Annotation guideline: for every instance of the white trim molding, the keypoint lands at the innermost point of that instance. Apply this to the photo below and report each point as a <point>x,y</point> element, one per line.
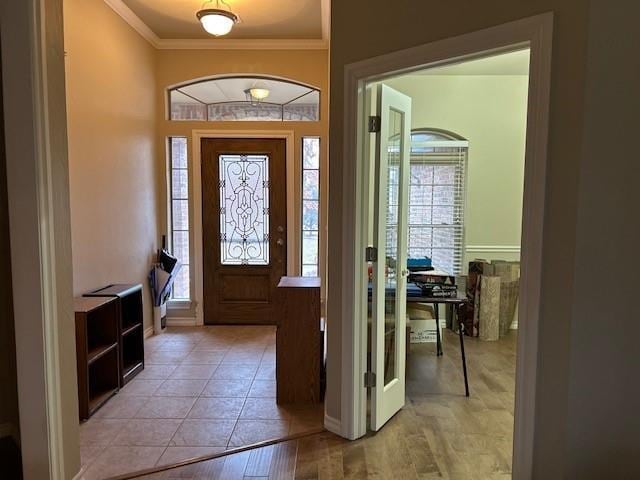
<point>39,223</point>
<point>534,33</point>
<point>133,20</point>
<point>182,322</point>
<point>149,35</point>
<point>148,332</point>
<point>240,44</point>
<point>80,474</point>
<point>293,222</point>
<point>514,249</point>
<point>332,424</point>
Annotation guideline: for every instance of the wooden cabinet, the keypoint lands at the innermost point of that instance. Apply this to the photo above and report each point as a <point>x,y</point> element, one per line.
<point>97,352</point>
<point>130,331</point>
<point>299,341</point>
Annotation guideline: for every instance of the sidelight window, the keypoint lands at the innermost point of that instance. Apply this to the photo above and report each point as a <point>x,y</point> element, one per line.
<point>310,206</point>
<point>179,215</point>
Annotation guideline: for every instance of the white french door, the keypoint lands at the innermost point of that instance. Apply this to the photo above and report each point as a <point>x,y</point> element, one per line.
<point>388,333</point>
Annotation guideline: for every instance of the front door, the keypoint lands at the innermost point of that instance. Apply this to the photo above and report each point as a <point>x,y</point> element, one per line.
<point>244,220</point>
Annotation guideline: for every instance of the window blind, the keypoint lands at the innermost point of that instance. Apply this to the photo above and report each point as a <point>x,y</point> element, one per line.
<point>436,206</point>
<point>437,186</point>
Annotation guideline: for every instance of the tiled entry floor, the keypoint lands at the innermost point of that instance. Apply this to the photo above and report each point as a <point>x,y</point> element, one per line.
<point>203,390</point>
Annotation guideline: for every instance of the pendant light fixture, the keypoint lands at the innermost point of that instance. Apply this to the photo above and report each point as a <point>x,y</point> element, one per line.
<point>257,93</point>
<point>217,21</point>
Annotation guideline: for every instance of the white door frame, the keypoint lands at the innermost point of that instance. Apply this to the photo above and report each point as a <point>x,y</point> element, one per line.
<point>293,222</point>
<point>40,233</point>
<point>533,32</point>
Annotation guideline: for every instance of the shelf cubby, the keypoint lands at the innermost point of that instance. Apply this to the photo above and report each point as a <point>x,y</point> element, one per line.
<point>130,329</point>
<point>97,352</point>
<point>104,380</point>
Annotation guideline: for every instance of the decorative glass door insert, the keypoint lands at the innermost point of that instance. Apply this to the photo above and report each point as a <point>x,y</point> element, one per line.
<point>244,209</point>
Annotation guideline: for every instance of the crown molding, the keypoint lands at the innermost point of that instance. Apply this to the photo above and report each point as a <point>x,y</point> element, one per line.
<point>241,44</point>
<point>325,12</point>
<point>134,21</point>
<point>139,26</point>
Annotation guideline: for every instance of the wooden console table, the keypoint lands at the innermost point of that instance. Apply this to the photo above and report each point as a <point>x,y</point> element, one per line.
<point>299,341</point>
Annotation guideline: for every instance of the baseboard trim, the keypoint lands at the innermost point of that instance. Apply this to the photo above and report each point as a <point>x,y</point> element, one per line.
<point>333,425</point>
<point>148,332</point>
<point>182,321</point>
<point>80,474</point>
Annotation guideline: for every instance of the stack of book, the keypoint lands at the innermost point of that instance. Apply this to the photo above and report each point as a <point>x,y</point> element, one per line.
<point>440,291</point>
<point>435,283</point>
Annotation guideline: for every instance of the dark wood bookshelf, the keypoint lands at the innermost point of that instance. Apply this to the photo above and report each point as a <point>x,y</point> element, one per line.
<point>130,329</point>
<point>98,353</point>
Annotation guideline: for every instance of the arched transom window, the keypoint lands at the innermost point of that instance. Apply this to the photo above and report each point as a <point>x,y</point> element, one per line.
<point>244,98</point>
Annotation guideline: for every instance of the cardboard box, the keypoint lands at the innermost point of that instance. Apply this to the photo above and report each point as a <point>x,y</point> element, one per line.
<point>424,330</point>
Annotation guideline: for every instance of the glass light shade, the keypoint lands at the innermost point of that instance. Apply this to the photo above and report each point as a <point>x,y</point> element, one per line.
<point>217,22</point>
<point>259,93</point>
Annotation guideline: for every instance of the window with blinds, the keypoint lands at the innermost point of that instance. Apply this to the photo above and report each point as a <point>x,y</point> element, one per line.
<point>436,199</point>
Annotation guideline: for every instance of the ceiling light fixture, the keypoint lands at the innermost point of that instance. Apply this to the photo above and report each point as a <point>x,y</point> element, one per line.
<point>217,21</point>
<point>259,93</point>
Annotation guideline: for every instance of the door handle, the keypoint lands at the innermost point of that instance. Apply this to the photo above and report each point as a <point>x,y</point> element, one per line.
<point>280,242</point>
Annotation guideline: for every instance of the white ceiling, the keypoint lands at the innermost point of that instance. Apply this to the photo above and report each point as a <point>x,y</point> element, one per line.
<point>232,90</point>
<point>259,19</point>
<point>513,63</point>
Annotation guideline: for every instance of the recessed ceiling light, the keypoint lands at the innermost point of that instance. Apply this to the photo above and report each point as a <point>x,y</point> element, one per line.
<point>217,21</point>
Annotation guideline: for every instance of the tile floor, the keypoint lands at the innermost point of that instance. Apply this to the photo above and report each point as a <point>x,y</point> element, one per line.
<point>203,390</point>
<point>439,434</point>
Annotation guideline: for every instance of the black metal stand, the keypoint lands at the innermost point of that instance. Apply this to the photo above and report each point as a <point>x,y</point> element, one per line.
<point>438,339</point>
<point>436,306</point>
<point>464,358</point>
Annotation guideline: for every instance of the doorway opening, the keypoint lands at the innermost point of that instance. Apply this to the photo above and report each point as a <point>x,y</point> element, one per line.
<point>445,220</point>
<point>533,33</point>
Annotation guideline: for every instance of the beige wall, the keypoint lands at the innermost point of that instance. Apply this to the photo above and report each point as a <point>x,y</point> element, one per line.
<point>490,111</point>
<point>305,66</point>
<point>9,419</point>
<point>352,41</point>
<point>604,393</point>
<point>112,157</point>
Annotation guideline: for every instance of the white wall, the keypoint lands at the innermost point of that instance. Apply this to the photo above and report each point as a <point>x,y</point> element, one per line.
<point>490,112</point>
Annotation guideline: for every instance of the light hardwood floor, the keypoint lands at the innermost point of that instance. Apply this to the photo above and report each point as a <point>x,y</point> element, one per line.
<point>439,434</point>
